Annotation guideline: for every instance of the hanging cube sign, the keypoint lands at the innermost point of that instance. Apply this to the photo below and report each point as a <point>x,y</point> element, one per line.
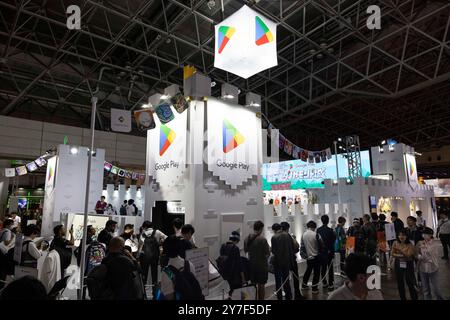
<point>245,43</point>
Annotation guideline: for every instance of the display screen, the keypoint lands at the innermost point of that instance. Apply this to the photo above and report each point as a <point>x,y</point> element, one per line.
<point>298,174</point>
<point>31,166</point>
<point>22,203</point>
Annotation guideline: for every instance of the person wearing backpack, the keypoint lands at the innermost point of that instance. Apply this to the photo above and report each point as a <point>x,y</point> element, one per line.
<point>230,264</point>
<point>90,234</point>
<point>123,208</point>
<point>30,252</point>
<point>258,252</point>
<point>122,272</point>
<point>7,241</point>
<point>149,252</point>
<point>178,281</point>
<point>132,210</point>
<point>326,264</point>
<point>311,248</point>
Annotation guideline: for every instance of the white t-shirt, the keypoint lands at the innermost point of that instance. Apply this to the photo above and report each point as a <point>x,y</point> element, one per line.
<point>344,293</point>
<point>310,240</point>
<point>132,244</point>
<point>17,221</point>
<point>130,210</point>
<point>167,286</point>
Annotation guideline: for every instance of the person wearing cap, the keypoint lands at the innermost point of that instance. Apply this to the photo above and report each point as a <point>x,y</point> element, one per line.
<point>355,231</point>
<point>235,270</point>
<point>428,256</point>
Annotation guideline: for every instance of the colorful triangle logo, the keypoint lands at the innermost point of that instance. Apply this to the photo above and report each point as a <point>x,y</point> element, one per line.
<point>225,34</point>
<point>262,32</point>
<point>231,137</point>
<point>166,137</point>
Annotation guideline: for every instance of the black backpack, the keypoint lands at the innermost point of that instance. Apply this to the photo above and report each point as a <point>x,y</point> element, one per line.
<point>150,249</point>
<point>123,210</point>
<point>186,284</point>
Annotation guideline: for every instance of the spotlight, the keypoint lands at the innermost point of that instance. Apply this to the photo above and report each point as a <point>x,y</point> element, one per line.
<point>73,150</point>
<point>381,149</point>
<point>340,139</point>
<point>335,182</point>
<point>213,84</point>
<point>391,148</point>
<point>228,96</point>
<point>383,142</point>
<point>349,181</point>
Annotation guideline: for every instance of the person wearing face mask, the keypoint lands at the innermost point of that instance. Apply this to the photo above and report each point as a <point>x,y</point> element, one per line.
<point>356,287</point>
<point>428,256</point>
<point>403,253</point>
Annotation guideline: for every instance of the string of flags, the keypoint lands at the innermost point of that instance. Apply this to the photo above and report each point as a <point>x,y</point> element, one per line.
<point>295,151</point>
<point>42,161</point>
<point>110,168</point>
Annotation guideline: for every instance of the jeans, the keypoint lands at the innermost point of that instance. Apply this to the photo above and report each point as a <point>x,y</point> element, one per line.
<point>445,239</point>
<point>312,265</point>
<point>430,284</point>
<point>407,274</point>
<point>342,262</point>
<point>327,265</point>
<point>282,276</point>
<point>153,266</point>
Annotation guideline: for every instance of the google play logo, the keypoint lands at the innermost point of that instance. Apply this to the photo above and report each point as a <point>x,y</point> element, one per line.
<point>231,137</point>
<point>225,34</point>
<point>166,137</point>
<point>262,34</point>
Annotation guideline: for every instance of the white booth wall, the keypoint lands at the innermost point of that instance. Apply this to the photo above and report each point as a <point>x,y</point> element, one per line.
<point>211,206</point>
<point>65,184</point>
<point>117,196</point>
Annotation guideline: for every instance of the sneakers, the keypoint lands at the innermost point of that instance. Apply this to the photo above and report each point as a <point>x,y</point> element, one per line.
<point>305,287</point>
<point>325,285</point>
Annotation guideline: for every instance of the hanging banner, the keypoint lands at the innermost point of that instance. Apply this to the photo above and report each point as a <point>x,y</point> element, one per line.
<point>144,119</point>
<point>10,172</point>
<point>120,120</point>
<point>281,141</point>
<point>328,151</point>
<point>411,169</point>
<point>245,43</point>
<point>288,146</point>
<point>166,148</point>
<point>310,157</point>
<point>232,142</point>
<point>296,152</point>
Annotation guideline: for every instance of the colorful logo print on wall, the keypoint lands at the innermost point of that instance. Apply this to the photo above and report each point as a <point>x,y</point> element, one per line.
<point>232,138</point>
<point>166,137</point>
<point>262,32</point>
<point>225,34</point>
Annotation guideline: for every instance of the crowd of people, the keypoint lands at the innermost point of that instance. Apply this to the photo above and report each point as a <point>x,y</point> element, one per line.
<point>128,208</point>
<point>119,267</point>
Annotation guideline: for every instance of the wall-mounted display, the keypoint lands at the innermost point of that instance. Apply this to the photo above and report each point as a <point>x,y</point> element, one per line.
<point>297,174</point>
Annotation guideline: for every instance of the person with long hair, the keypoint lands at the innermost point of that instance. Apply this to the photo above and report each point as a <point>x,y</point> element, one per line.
<point>403,252</point>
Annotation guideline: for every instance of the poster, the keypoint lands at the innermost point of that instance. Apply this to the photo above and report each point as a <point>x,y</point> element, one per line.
<point>200,259</point>
<point>120,120</point>
<point>233,144</point>
<point>76,220</point>
<point>389,229</point>
<point>144,119</point>
<point>166,148</point>
<point>51,174</point>
<point>350,245</point>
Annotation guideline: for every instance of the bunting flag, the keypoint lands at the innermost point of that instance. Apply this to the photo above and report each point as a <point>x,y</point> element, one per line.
<point>110,168</point>
<point>295,151</point>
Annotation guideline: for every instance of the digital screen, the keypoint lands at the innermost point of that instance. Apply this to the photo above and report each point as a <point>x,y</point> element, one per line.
<point>108,166</point>
<point>22,203</point>
<point>31,166</point>
<point>297,174</point>
<point>40,162</point>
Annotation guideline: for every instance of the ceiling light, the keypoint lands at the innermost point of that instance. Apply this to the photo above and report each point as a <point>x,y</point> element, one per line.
<point>73,150</point>
<point>228,96</point>
<point>383,142</point>
<point>213,84</point>
<point>340,139</point>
